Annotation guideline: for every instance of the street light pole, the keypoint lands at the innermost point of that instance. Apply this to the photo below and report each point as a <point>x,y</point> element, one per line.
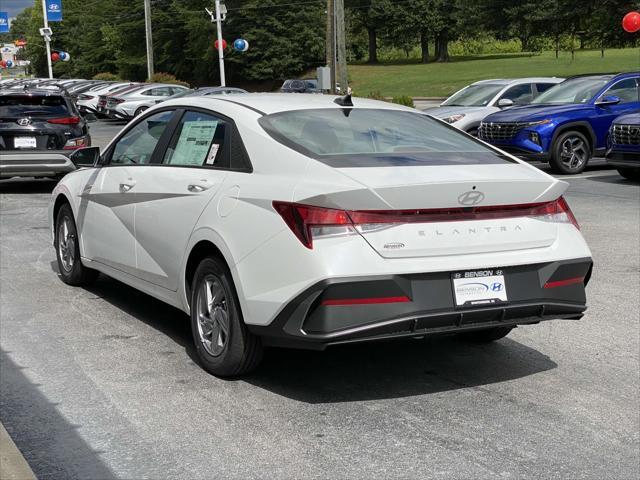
<point>220,15</point>
<point>47,38</point>
<point>149,37</point>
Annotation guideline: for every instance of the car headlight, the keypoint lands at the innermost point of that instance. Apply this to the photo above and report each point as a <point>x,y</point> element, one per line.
<point>454,118</point>
<point>536,123</point>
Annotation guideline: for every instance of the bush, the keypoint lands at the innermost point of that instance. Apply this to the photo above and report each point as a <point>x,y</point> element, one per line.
<point>403,100</point>
<point>162,77</point>
<point>106,76</point>
<point>376,96</point>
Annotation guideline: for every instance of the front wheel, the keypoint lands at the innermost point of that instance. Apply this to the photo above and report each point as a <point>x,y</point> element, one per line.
<point>570,154</point>
<point>67,246</point>
<point>224,345</point>
<point>139,111</point>
<point>630,173</point>
<point>487,335</point>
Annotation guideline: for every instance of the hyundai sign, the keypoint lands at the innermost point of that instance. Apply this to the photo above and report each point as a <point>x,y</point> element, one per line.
<point>54,10</point>
<point>4,22</point>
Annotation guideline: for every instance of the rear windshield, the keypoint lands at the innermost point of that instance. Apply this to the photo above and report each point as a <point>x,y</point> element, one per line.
<point>32,105</point>
<point>345,137</point>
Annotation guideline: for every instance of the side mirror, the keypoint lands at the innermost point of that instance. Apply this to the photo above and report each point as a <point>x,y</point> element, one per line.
<point>505,102</point>
<point>90,117</point>
<point>86,157</point>
<point>608,100</point>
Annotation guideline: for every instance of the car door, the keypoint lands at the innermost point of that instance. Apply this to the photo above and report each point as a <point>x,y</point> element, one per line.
<point>108,201</point>
<point>629,94</point>
<point>179,186</point>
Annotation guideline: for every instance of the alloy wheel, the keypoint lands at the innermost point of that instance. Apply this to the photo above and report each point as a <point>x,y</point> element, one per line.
<point>213,316</point>
<point>574,153</point>
<point>66,244</point>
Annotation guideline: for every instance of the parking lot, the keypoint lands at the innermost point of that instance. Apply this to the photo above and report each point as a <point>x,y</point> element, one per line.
<point>102,383</point>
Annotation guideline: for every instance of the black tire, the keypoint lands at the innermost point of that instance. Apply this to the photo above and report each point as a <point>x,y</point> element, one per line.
<point>570,153</point>
<point>487,335</point>
<point>70,266</point>
<point>630,173</point>
<point>239,351</point>
<point>139,111</point>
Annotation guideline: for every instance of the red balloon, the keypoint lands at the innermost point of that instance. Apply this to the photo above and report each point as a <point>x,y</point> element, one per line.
<point>55,56</point>
<point>3,64</point>
<point>631,22</point>
<point>224,44</point>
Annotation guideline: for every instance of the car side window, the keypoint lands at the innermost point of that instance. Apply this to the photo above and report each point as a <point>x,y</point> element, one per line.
<point>199,141</point>
<point>519,94</point>
<point>543,87</point>
<point>625,90</point>
<point>137,145</point>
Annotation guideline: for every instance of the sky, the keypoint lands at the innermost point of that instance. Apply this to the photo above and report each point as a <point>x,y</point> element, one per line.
<point>14,7</point>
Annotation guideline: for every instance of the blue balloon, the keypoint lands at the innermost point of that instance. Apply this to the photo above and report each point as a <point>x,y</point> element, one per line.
<point>9,63</point>
<point>241,45</point>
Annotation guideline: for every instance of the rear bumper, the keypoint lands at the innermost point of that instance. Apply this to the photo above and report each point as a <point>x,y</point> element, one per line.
<point>39,163</point>
<point>624,159</point>
<point>313,320</point>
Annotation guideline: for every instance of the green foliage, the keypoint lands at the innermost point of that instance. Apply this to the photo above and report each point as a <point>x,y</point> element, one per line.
<point>376,95</point>
<point>106,76</point>
<point>403,100</point>
<point>162,77</point>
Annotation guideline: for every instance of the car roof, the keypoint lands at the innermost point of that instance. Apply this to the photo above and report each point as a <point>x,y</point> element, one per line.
<point>509,81</point>
<point>35,92</point>
<point>268,103</point>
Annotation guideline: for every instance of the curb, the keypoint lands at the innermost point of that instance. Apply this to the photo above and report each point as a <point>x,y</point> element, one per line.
<point>13,466</point>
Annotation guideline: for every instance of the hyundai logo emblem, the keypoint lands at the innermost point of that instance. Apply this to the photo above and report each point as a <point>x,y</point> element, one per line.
<point>23,122</point>
<point>472,197</point>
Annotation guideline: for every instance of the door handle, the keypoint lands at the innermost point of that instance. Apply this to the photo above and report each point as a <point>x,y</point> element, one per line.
<point>125,187</point>
<point>200,186</point>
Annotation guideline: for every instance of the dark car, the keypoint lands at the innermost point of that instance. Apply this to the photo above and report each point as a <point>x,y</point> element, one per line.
<point>568,124</point>
<point>38,129</point>
<point>300,86</point>
<point>624,146</point>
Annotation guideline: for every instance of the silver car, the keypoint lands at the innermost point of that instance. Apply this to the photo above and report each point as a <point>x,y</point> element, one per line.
<point>466,108</point>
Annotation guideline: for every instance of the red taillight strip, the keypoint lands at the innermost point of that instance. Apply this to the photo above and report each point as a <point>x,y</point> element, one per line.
<point>364,301</point>
<point>65,120</point>
<point>564,283</point>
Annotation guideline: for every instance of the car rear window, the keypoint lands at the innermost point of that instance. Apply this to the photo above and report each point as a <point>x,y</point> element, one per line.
<point>348,137</point>
<point>32,105</point>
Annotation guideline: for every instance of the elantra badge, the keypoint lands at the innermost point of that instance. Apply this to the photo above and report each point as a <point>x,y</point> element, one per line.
<point>472,197</point>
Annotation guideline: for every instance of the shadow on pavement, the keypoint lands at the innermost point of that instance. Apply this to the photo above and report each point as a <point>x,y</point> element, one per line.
<point>51,445</point>
<point>615,179</point>
<point>27,185</point>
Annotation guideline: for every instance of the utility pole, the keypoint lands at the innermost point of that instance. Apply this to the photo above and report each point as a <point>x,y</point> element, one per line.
<point>341,47</point>
<point>147,26</point>
<point>46,33</point>
<point>330,44</point>
<point>220,16</point>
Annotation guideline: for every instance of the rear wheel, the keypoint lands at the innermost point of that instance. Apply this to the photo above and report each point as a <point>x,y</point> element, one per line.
<point>224,345</point>
<point>486,336</point>
<point>630,173</point>
<point>67,246</point>
<point>140,110</point>
<point>570,154</point>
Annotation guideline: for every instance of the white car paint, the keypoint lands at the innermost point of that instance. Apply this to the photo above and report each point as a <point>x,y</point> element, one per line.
<point>89,99</point>
<point>468,118</point>
<point>154,217</point>
<point>141,99</point>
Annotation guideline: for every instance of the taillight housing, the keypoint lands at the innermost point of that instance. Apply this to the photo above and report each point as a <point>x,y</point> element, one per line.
<point>117,100</point>
<point>78,142</point>
<point>83,96</point>
<point>307,221</point>
<point>74,120</point>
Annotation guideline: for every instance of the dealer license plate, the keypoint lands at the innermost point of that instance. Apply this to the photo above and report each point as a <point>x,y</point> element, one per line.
<point>24,142</point>
<point>482,287</point>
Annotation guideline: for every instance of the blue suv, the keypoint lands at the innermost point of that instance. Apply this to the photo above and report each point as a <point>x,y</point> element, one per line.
<point>624,150</point>
<point>568,124</point>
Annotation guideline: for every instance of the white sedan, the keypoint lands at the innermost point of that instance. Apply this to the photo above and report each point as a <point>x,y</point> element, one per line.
<point>312,220</point>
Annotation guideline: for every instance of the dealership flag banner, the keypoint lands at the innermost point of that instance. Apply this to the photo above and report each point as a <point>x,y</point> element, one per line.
<point>4,22</point>
<point>54,10</point>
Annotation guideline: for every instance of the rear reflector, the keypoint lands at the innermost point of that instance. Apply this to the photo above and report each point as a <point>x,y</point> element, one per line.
<point>307,222</point>
<point>564,283</point>
<point>364,301</point>
<point>65,120</point>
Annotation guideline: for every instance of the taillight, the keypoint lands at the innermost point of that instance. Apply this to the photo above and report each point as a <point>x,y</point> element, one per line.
<point>65,120</point>
<point>82,96</point>
<point>74,143</point>
<point>116,100</point>
<point>308,222</point>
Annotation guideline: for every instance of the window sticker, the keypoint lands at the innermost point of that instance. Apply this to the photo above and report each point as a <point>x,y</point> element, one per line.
<point>213,151</point>
<point>193,145</point>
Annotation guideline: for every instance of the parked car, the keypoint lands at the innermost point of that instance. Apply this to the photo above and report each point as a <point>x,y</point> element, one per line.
<point>624,149</point>
<point>128,104</point>
<point>309,221</point>
<point>466,108</point>
<point>88,101</point>
<point>38,128</point>
<point>103,99</point>
<point>300,86</point>
<point>568,124</point>
<point>196,92</point>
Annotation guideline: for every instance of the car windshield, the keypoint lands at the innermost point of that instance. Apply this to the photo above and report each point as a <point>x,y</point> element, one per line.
<point>12,106</point>
<point>375,137</point>
<point>473,96</point>
<point>574,90</point>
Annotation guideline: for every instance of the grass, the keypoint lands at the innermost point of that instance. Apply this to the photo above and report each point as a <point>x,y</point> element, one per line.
<point>442,79</point>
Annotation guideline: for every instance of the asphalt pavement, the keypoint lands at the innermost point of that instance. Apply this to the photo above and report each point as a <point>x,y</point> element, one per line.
<point>101,383</point>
